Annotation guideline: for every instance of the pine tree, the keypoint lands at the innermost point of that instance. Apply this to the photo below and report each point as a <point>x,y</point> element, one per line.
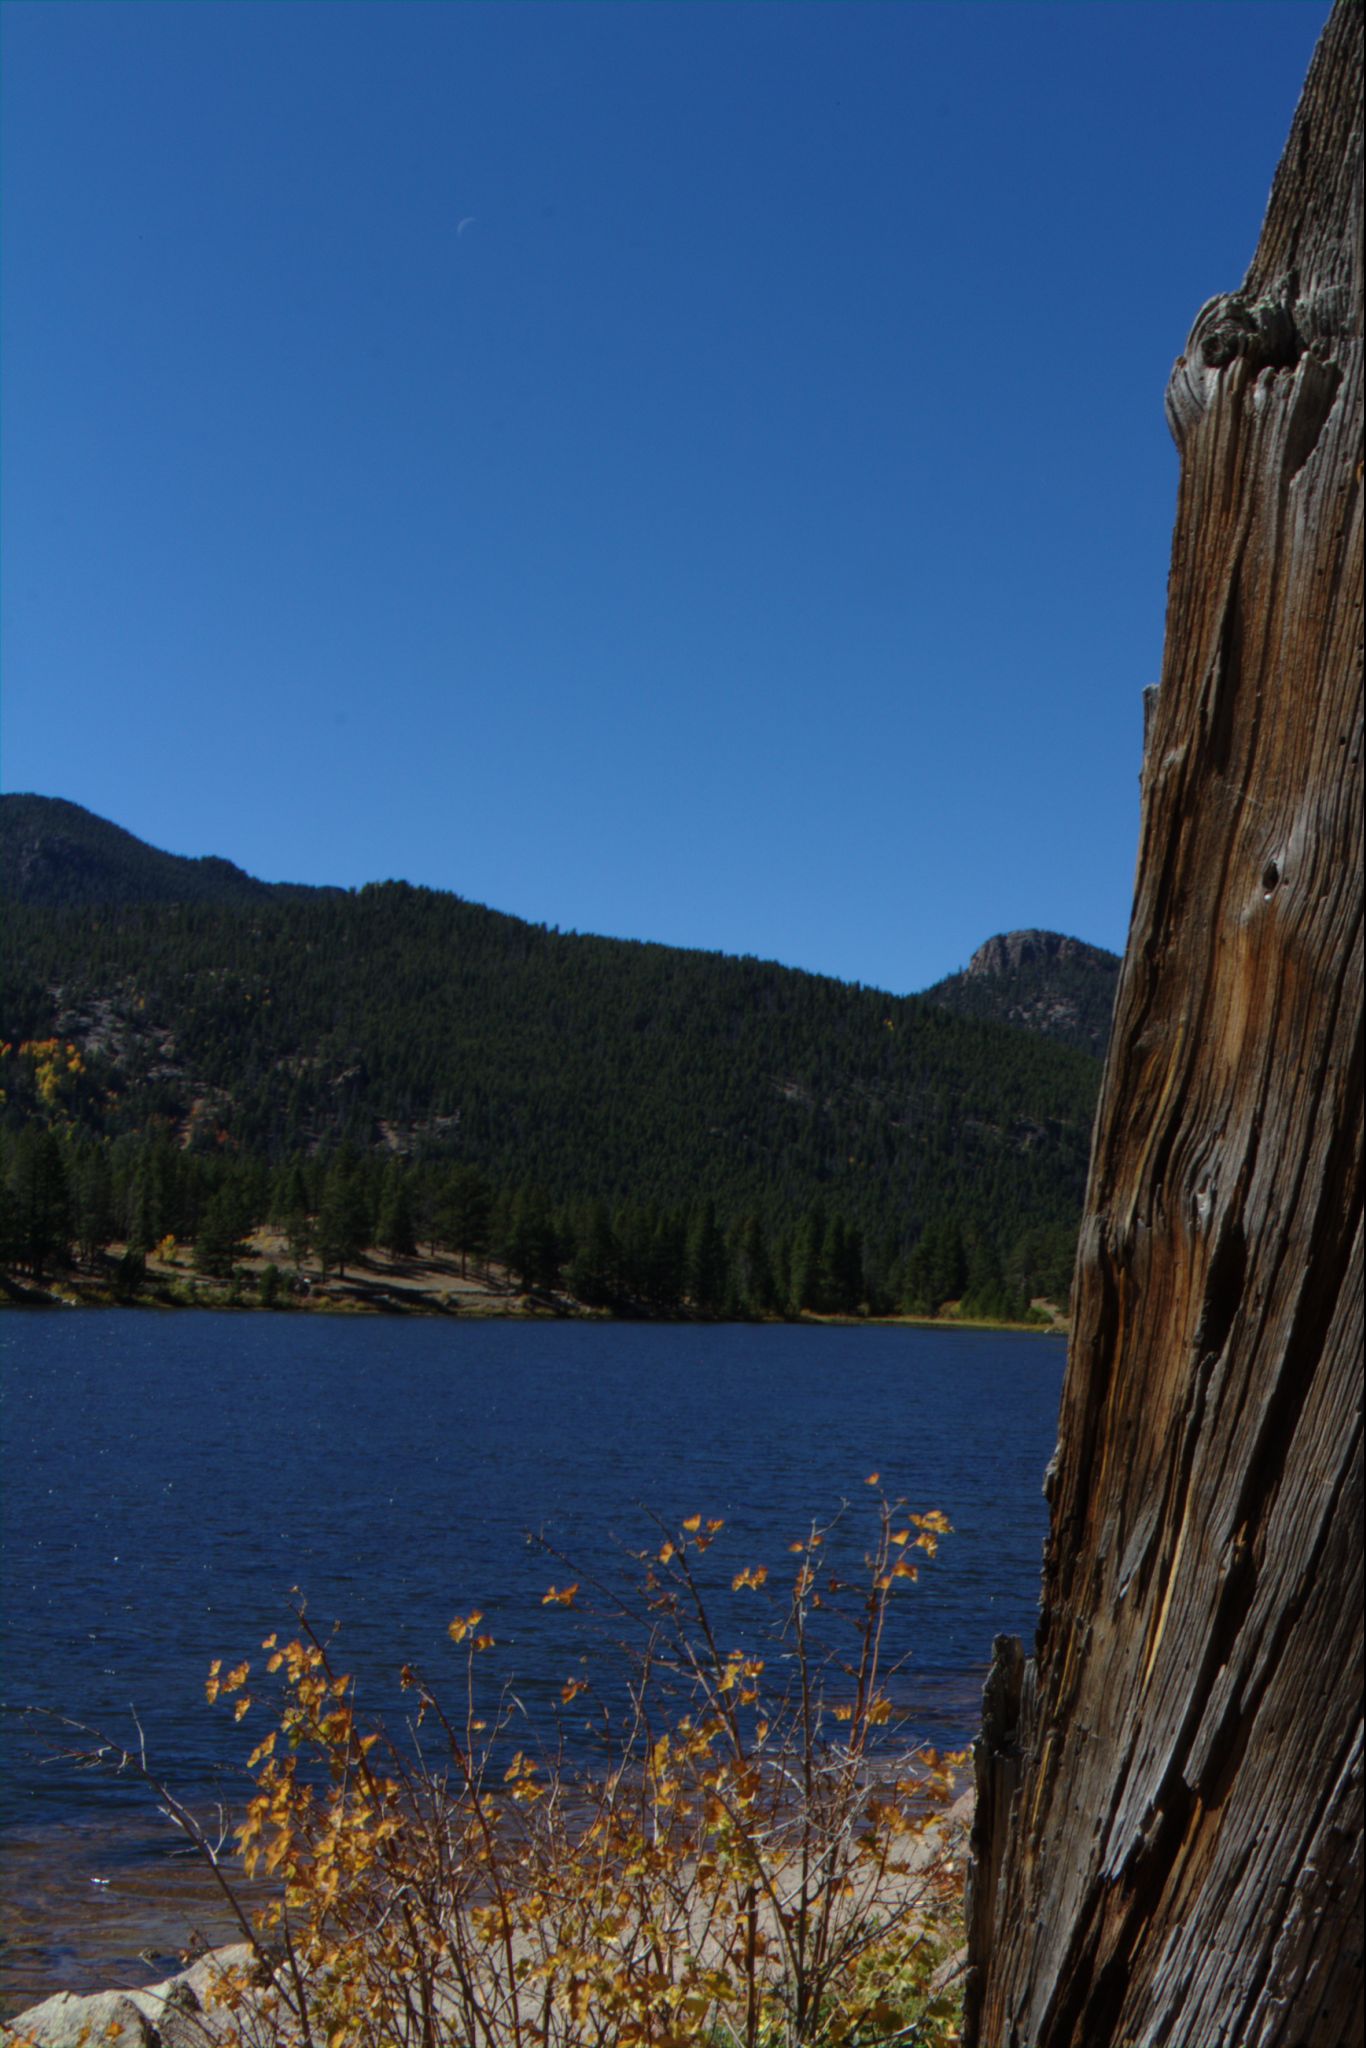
<point>93,1201</point>
<point>841,1268</point>
<point>752,1268</point>
<point>219,1240</point>
<point>593,1274</point>
<point>289,1195</point>
<point>633,1229</point>
<point>668,1260</point>
<point>41,1208</point>
<point>146,1206</point>
<point>465,1214</point>
<point>706,1261</point>
<point>806,1293</point>
<point>530,1248</point>
<point>936,1270</point>
<point>341,1233</point>
<point>9,1221</point>
<point>298,1236</point>
<point>395,1231</point>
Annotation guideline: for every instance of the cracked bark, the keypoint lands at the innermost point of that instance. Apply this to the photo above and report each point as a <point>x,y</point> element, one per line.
<point>1168,1844</point>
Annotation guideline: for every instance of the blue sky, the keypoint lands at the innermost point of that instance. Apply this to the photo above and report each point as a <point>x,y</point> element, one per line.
<point>691,472</point>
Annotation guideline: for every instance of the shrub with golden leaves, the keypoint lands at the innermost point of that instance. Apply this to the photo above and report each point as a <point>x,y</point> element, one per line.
<point>751,1862</point>
<point>750,1866</point>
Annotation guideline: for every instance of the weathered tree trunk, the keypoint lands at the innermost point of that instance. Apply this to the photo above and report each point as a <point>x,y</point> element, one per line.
<point>1168,1839</point>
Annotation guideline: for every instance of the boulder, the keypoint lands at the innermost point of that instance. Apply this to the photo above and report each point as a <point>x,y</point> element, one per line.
<point>185,2011</point>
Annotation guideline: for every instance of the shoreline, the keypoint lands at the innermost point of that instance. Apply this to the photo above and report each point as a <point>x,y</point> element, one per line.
<point>103,1908</point>
<point>381,1284</point>
<point>376,1299</point>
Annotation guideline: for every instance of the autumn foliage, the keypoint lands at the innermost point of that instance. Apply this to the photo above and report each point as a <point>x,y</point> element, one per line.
<point>749,1860</point>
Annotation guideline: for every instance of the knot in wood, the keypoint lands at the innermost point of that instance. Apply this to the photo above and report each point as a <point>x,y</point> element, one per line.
<point>1265,333</point>
<point>1262,331</point>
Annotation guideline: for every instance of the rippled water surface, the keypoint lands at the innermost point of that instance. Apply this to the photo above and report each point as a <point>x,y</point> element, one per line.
<point>168,1478</point>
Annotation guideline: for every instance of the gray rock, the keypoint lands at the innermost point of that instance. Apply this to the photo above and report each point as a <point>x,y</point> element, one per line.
<point>67,2021</point>
<point>186,2011</point>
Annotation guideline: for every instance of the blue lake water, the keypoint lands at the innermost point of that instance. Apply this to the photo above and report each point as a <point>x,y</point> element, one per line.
<point>168,1478</point>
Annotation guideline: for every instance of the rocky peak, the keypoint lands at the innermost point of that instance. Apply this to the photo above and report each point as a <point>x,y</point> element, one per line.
<point>1009,951</point>
<point>1039,981</point>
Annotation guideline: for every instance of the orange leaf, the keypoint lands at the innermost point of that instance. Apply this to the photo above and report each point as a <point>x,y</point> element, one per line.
<point>753,1575</point>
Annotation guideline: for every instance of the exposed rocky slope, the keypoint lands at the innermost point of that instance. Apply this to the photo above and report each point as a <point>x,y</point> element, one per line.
<point>1041,981</point>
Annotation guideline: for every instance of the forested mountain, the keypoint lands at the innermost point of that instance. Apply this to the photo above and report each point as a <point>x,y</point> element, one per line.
<point>1040,981</point>
<point>239,1037</point>
<point>53,852</point>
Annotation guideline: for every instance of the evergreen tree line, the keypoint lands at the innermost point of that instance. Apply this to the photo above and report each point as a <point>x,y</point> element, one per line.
<point>635,1074</point>
<point>65,1194</point>
<point>653,1129</point>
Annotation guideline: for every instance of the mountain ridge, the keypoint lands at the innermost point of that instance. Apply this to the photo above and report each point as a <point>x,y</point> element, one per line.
<point>57,854</point>
<point>187,1053</point>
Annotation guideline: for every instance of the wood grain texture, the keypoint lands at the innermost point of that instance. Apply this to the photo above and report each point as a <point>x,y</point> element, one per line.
<point>1168,1848</point>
